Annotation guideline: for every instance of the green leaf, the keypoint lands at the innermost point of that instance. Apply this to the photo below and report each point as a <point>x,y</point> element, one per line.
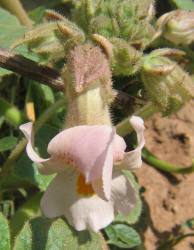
<point>184,4</point>
<point>7,143</point>
<point>11,30</point>
<point>42,96</point>
<point>111,233</point>
<point>26,169</point>
<point>46,234</point>
<point>188,225</point>
<point>24,239</point>
<point>4,233</point>
<point>28,210</point>
<point>136,212</point>
<point>126,236</point>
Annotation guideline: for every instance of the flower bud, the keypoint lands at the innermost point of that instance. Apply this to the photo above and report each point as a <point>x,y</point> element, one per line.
<point>167,85</point>
<point>49,39</point>
<point>177,26</point>
<point>84,10</point>
<point>140,9</point>
<point>139,33</point>
<point>104,26</point>
<point>88,86</point>
<point>124,59</point>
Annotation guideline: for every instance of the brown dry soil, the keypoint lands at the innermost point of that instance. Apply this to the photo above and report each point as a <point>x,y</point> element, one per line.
<point>168,198</point>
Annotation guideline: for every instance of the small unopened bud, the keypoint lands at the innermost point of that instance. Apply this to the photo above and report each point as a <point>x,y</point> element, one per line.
<point>104,26</point>
<point>72,32</point>
<point>52,15</point>
<point>139,34</point>
<point>51,39</point>
<point>105,44</point>
<point>125,59</point>
<point>177,26</point>
<point>37,34</point>
<point>167,85</point>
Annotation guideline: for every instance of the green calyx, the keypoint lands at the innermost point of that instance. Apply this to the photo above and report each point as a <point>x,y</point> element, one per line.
<point>177,26</point>
<point>167,85</point>
<point>125,59</point>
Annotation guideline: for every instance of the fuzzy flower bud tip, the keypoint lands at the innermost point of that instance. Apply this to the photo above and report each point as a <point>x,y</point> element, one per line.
<point>87,64</point>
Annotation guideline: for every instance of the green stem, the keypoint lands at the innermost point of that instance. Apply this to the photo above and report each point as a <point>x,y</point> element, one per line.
<point>49,112</point>
<point>165,166</point>
<point>169,244</point>
<point>16,8</point>
<point>124,128</point>
<point>7,167</point>
<point>11,113</point>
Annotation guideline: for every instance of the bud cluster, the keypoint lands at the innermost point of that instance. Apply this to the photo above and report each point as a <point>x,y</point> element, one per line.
<point>127,19</point>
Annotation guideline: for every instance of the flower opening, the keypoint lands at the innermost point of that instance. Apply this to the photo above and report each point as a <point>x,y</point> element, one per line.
<point>83,188</point>
<point>94,191</point>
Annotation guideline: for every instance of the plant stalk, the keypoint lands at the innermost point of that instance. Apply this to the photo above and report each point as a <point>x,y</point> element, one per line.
<point>16,8</point>
<point>165,166</point>
<point>124,128</point>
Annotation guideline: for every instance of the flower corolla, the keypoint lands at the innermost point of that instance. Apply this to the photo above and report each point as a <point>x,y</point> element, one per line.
<point>89,188</point>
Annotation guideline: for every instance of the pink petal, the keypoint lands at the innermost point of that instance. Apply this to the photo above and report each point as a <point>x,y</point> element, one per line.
<point>102,185</point>
<point>132,159</point>
<point>45,166</point>
<point>87,148</point>
<point>118,148</point>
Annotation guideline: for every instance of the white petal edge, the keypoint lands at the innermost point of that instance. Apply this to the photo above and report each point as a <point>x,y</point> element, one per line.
<point>132,159</point>
<point>45,166</point>
<point>123,194</point>
<point>82,213</point>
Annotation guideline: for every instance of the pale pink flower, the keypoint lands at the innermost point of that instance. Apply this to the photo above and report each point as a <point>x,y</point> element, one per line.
<point>88,190</point>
